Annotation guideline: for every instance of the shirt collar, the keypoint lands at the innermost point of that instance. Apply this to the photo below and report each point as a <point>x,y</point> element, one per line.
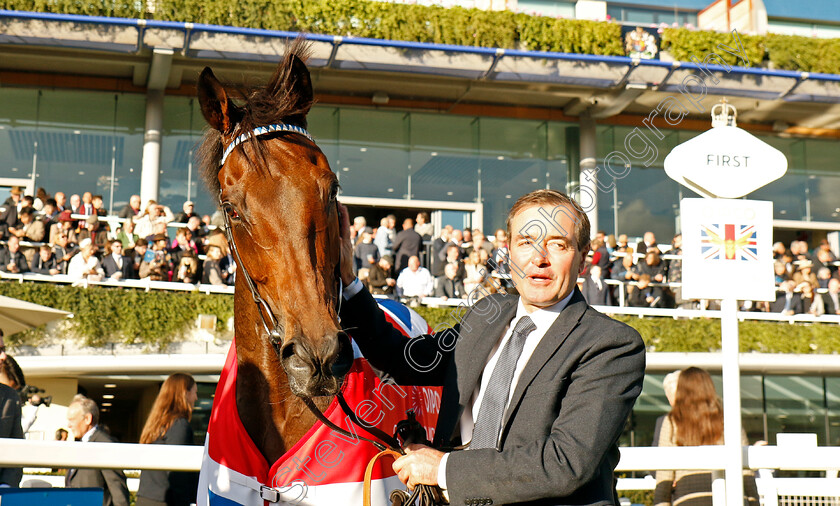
<point>89,433</point>
<point>543,318</point>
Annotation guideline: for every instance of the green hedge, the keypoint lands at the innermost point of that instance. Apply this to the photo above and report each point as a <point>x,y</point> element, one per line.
<point>455,25</point>
<point>157,318</point>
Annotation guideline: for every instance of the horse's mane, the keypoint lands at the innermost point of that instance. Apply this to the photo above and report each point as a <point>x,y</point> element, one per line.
<point>280,101</point>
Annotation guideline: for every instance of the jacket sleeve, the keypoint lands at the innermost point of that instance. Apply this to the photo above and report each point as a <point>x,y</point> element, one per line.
<point>596,403</point>
<point>10,428</point>
<point>417,361</point>
<point>115,481</point>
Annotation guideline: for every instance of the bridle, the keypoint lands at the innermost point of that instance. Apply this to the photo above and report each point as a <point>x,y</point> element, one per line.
<point>273,328</point>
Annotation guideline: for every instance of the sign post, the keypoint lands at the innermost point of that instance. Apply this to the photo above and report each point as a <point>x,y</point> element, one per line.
<point>727,247</point>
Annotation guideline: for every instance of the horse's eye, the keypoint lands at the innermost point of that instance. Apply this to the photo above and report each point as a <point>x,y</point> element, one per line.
<point>231,211</point>
<point>333,192</point>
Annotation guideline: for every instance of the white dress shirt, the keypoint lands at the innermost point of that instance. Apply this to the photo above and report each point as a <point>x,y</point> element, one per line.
<point>89,433</point>
<point>417,283</point>
<point>543,319</point>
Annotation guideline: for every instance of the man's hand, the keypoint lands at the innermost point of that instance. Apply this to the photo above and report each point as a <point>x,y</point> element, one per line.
<point>419,466</point>
<point>346,264</point>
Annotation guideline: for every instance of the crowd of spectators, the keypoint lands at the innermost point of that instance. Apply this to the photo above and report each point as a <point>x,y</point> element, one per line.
<point>79,239</point>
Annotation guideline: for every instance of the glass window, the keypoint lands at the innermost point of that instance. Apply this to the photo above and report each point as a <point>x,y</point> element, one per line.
<point>372,153</point>
<point>130,127</point>
<point>832,391</point>
<point>795,404</point>
<point>443,160</point>
<point>180,177</point>
<point>18,115</point>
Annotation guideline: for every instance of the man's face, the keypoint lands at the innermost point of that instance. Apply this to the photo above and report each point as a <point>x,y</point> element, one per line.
<point>650,238</point>
<point>45,254</point>
<point>87,197</point>
<point>26,219</point>
<point>116,248</point>
<point>413,264</point>
<point>134,202</point>
<point>833,287</point>
<point>14,244</point>
<point>97,203</point>
<point>140,249</point>
<point>546,267</point>
<point>622,239</point>
<point>77,421</point>
<point>457,235</point>
<point>62,240</point>
<point>678,241</point>
<point>452,255</point>
<point>60,199</point>
<point>501,237</point>
<point>75,200</point>
<point>451,270</point>
<point>392,222</point>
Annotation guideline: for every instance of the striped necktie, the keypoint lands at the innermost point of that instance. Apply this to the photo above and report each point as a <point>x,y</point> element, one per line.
<point>488,424</point>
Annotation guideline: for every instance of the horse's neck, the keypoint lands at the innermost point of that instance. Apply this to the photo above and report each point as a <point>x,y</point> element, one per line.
<point>274,418</point>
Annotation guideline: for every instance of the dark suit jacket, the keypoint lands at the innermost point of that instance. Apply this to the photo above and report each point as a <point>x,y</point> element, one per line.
<point>559,436</point>
<point>594,295</point>
<point>454,289</point>
<point>6,257</point>
<point>778,305</point>
<point>406,244</point>
<point>438,257</point>
<point>39,266</point>
<point>110,267</point>
<point>830,308</point>
<point>10,427</point>
<point>111,481</point>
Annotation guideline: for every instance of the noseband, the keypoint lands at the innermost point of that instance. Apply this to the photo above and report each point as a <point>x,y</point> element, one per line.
<point>273,328</point>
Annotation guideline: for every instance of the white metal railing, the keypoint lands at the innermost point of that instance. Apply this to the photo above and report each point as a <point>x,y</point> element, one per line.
<point>142,284</point>
<point>63,454</point>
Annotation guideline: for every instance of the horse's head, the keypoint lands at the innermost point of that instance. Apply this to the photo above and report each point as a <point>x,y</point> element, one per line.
<point>279,196</point>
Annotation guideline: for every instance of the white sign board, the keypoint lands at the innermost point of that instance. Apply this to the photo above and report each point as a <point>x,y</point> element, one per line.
<point>727,249</point>
<point>725,162</point>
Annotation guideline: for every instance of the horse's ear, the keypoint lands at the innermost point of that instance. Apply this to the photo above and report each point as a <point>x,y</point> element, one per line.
<point>216,106</point>
<point>301,85</point>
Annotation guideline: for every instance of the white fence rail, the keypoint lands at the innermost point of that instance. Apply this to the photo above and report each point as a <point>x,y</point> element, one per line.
<point>774,491</point>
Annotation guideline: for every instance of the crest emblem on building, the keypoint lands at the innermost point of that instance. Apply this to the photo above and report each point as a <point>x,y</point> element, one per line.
<point>640,44</point>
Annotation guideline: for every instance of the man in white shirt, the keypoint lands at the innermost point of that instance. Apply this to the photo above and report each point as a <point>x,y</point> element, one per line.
<point>85,265</point>
<point>537,385</point>
<point>415,281</point>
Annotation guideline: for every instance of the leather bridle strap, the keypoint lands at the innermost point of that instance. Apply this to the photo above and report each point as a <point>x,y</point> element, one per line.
<point>326,421</point>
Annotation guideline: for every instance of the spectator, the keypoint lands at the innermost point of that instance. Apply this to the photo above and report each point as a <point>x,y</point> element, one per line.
<point>450,286</point>
<point>380,278</point>
<point>645,295</point>
<point>61,435</point>
<point>187,270</point>
<point>474,272</point>
<point>675,269</point>
<point>595,289</point>
<point>63,251</point>
<point>140,248</point>
<point>467,240</point>
<point>12,259</point>
<point>156,263</point>
<point>127,237</point>
<point>86,207</point>
<point>829,302</point>
<point>29,229</point>
<point>453,256</point>
<point>669,386</point>
<point>611,243</point>
<point>183,242</point>
<point>155,214</point>
<point>66,225</point>
<point>501,252</point>
<point>10,425</point>
<point>696,419</point>
<point>169,423</point>
<point>787,301</point>
<point>45,262</point>
<point>187,213</point>
<point>75,202</point>
<point>778,250</point>
<point>48,214</point>
<point>83,420</point>
<point>415,282</point>
<point>406,244</point>
<point>198,231</point>
<point>132,209</point>
<point>85,265</point>
<point>212,271</point>
<point>41,197</point>
<point>781,273</point>
<point>653,266</point>
<point>359,224</point>
<point>365,253</point>
<point>806,293</point>
<point>384,239</point>
<point>423,227</point>
<point>805,274</point>
<point>98,208</point>
<point>823,277</point>
<point>457,239</point>
<point>60,201</point>
<point>9,212</point>
<point>600,256</point>
<point>116,265</point>
<point>97,231</point>
<point>439,251</point>
<point>824,257</point>
<point>648,242</point>
<point>479,242</point>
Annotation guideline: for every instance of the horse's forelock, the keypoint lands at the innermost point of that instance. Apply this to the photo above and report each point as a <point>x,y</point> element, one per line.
<point>277,102</point>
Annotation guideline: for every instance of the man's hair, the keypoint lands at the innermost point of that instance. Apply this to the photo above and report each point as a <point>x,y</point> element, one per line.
<point>141,242</point>
<point>87,407</point>
<point>27,210</point>
<point>553,198</point>
<point>645,277</point>
<point>97,197</point>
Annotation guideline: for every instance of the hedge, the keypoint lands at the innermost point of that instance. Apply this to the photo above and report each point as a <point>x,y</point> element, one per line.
<point>454,25</point>
<point>115,315</point>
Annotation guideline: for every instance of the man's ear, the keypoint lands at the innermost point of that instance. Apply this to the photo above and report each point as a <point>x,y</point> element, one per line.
<point>583,254</point>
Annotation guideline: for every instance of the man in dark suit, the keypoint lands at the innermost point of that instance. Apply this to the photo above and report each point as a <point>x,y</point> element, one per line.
<point>831,299</point>
<point>116,265</point>
<point>407,244</point>
<point>10,416</point>
<point>83,419</point>
<point>787,301</point>
<point>595,289</point>
<point>12,258</point>
<point>538,385</point>
<point>451,287</point>
<point>439,251</point>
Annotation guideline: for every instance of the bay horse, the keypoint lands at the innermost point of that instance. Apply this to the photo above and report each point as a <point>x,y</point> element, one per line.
<point>279,199</point>
<point>279,195</point>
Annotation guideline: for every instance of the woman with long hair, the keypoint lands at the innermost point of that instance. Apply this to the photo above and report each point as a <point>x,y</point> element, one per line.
<point>169,423</point>
<point>696,419</point>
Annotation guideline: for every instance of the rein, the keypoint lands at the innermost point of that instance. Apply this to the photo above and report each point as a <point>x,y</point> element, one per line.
<point>387,445</point>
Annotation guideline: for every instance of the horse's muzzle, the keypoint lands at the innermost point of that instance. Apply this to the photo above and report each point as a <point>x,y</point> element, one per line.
<point>317,369</point>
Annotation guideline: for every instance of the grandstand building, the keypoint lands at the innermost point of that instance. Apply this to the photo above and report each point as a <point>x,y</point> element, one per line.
<point>107,105</point>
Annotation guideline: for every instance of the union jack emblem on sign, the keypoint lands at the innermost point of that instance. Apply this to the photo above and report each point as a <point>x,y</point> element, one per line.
<point>729,242</point>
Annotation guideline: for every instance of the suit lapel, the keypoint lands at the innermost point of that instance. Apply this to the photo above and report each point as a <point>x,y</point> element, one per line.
<point>472,353</point>
<point>549,344</point>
